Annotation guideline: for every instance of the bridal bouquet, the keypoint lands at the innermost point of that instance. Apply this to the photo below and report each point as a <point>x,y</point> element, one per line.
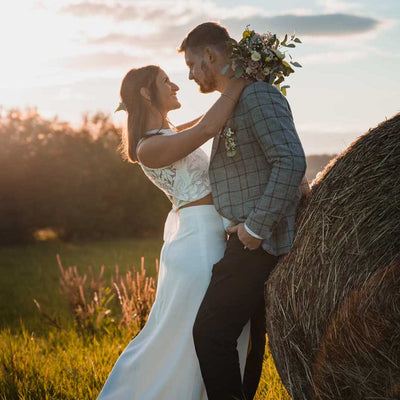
<point>260,57</point>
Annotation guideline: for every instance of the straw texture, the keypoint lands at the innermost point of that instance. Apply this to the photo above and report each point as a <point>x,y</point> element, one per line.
<point>333,303</point>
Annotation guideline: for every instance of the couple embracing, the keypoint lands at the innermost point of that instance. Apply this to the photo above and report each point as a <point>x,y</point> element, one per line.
<point>232,218</point>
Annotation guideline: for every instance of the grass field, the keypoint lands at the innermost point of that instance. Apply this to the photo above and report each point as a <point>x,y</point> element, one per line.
<point>31,272</point>
<point>39,362</point>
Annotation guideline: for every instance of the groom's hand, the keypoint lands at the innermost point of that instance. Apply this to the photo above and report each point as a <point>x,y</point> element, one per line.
<point>249,241</point>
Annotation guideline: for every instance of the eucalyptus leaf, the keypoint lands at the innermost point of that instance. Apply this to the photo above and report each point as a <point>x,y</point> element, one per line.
<point>290,45</point>
<point>239,72</point>
<point>121,107</point>
<point>283,90</point>
<point>297,40</point>
<point>295,64</point>
<point>223,72</point>
<point>271,78</point>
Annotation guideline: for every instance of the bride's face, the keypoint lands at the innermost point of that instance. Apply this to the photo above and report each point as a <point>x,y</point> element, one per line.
<point>166,92</point>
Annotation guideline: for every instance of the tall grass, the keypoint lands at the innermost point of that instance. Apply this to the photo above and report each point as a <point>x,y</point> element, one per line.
<point>66,365</point>
<point>30,272</point>
<point>58,365</point>
<point>72,361</point>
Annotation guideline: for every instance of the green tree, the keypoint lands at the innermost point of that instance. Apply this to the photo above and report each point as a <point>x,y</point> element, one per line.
<point>71,180</point>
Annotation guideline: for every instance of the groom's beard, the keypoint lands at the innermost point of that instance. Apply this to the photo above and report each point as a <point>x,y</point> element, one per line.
<point>209,84</point>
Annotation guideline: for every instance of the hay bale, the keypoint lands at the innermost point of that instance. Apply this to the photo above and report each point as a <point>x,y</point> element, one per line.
<point>333,304</point>
<point>360,351</point>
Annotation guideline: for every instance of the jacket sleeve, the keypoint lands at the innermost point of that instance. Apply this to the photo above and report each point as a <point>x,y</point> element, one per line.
<point>271,122</point>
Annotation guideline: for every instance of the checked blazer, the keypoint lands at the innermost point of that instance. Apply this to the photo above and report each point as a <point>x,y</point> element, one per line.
<point>259,185</point>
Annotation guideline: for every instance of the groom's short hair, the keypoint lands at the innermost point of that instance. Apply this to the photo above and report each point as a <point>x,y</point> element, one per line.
<point>206,34</point>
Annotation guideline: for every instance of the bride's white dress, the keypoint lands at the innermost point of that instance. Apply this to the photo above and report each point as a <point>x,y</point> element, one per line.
<point>160,363</point>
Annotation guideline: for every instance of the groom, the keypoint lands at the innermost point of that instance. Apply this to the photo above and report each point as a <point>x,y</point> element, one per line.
<point>255,185</point>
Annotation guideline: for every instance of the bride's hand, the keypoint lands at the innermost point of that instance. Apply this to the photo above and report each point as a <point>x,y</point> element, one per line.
<point>235,88</point>
<point>237,83</point>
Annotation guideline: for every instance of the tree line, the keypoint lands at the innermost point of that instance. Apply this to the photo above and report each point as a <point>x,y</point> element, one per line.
<point>71,180</point>
<point>74,181</point>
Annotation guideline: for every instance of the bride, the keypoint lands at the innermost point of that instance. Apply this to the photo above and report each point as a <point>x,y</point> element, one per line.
<point>160,363</point>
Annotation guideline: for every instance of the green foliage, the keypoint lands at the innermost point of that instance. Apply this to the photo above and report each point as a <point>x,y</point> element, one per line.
<point>71,180</point>
<point>68,366</point>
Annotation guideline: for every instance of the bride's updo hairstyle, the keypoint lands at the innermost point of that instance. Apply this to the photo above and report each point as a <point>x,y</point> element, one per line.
<point>136,106</point>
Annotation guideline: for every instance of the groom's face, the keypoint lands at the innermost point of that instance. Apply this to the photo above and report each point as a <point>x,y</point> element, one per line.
<point>200,70</point>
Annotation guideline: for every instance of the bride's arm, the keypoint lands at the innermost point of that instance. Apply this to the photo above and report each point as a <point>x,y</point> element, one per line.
<point>161,150</point>
<point>189,124</point>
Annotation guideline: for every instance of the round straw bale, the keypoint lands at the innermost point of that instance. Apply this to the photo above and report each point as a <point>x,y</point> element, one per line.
<point>360,351</point>
<point>332,304</point>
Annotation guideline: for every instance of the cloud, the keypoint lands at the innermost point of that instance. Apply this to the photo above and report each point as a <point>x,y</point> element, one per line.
<point>101,60</point>
<point>305,25</point>
<point>332,6</point>
<point>163,16</point>
<point>164,41</point>
<point>312,25</point>
<point>156,12</point>
<point>155,30</point>
<point>332,57</point>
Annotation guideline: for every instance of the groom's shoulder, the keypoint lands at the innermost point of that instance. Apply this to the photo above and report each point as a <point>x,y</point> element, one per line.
<point>260,92</point>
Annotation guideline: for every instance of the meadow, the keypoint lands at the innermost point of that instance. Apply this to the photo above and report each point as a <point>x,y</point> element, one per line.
<point>66,349</point>
<point>39,360</point>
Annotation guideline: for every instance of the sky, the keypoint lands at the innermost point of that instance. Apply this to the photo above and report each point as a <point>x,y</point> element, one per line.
<point>68,58</point>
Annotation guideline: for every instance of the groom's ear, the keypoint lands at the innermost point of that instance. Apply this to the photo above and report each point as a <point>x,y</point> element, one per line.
<point>145,92</point>
<point>210,55</point>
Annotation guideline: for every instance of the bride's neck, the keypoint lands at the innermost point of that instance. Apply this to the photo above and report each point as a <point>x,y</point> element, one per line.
<point>156,120</point>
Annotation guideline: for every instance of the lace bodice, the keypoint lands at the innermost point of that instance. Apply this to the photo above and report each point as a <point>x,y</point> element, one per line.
<point>183,181</point>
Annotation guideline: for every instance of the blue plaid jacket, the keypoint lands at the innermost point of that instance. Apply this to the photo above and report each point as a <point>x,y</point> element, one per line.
<point>259,185</point>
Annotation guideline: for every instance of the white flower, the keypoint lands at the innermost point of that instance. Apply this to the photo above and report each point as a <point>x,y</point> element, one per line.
<point>280,54</point>
<point>266,71</point>
<point>255,55</point>
<point>249,71</point>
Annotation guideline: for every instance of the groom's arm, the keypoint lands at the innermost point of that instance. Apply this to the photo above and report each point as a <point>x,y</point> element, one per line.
<point>271,121</point>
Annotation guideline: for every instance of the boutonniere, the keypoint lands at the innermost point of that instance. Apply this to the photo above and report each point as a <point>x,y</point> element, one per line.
<point>230,141</point>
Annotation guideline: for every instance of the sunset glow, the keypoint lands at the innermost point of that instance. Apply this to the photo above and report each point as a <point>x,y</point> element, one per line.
<point>68,58</point>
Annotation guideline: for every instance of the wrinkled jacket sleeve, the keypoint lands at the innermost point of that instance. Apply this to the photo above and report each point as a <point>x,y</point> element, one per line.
<point>272,124</point>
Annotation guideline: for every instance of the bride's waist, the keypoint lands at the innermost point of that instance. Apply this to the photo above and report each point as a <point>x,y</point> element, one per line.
<point>198,220</point>
<point>206,200</point>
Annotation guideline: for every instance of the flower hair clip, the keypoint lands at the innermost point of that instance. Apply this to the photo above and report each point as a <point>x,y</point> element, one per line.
<point>121,107</point>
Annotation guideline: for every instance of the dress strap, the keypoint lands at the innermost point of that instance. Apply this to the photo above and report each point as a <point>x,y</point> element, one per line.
<point>147,135</point>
